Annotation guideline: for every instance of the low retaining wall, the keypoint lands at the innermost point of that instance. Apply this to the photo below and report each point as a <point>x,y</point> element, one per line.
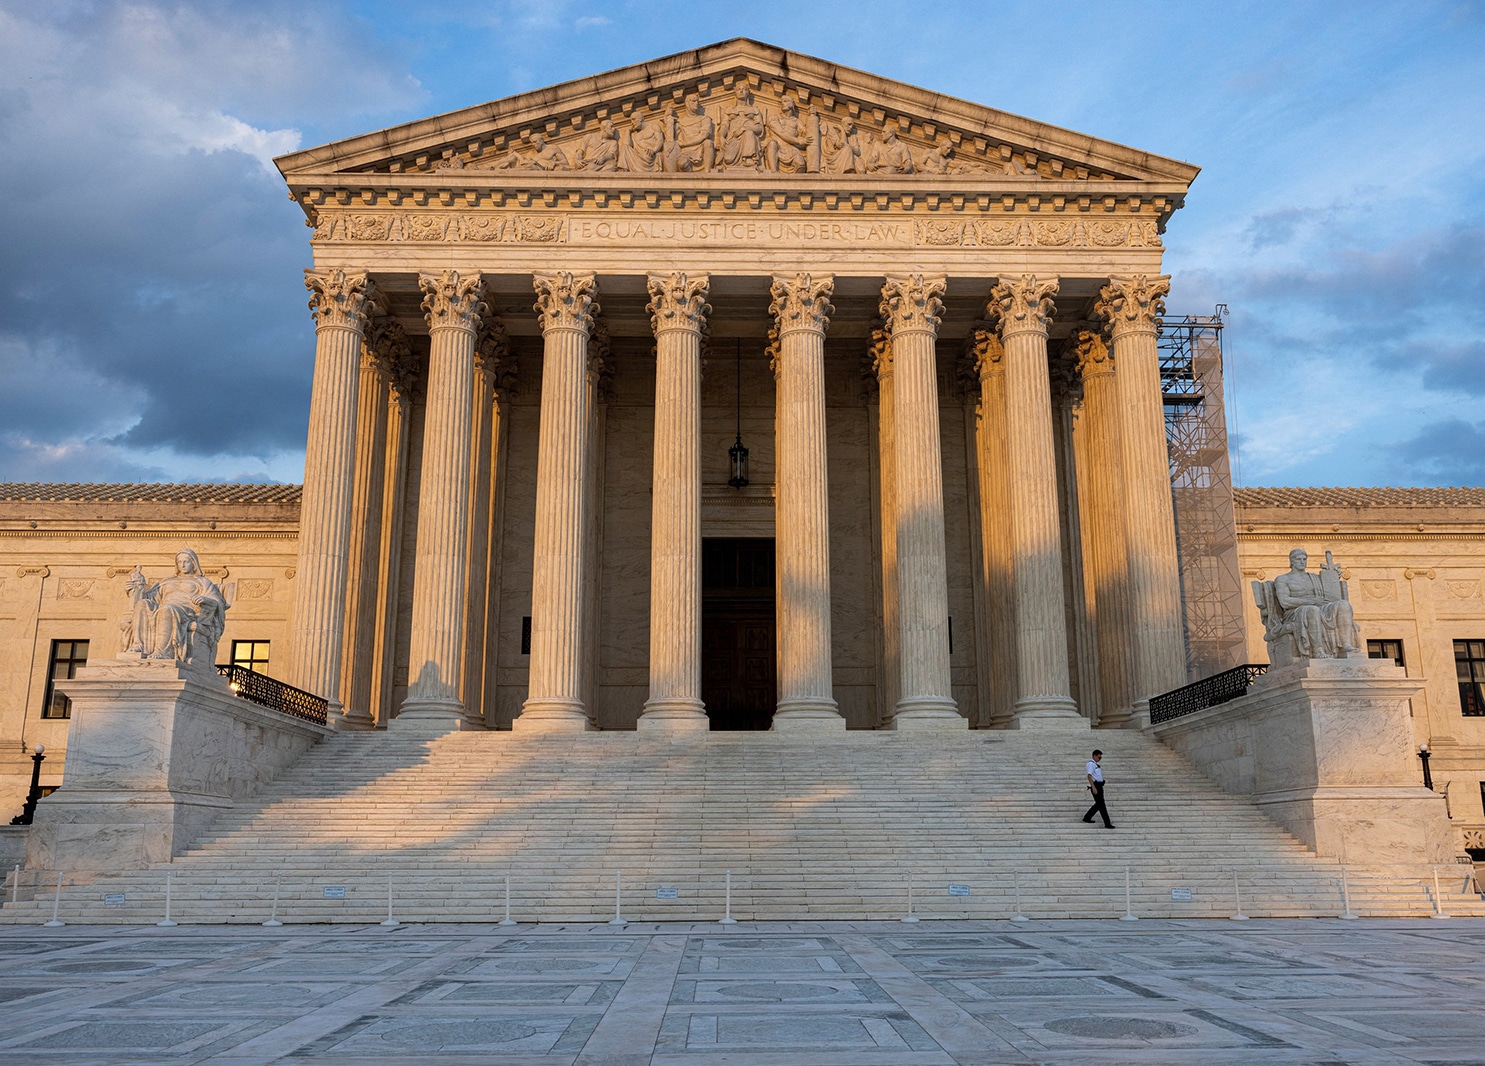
<point>1326,749</point>
<point>155,753</point>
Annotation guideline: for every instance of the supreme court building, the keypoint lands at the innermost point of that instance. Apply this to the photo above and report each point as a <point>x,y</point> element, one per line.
<point>543,323</point>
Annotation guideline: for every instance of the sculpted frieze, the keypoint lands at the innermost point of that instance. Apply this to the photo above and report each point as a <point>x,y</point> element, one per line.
<point>751,125</point>
<point>361,227</point>
<point>1025,232</point>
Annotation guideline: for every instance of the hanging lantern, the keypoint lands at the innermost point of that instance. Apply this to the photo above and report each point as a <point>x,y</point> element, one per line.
<point>738,453</point>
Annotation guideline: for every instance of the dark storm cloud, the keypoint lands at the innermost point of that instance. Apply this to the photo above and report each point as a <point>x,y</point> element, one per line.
<point>151,307</point>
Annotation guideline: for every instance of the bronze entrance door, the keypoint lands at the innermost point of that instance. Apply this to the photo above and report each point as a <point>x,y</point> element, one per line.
<point>737,632</point>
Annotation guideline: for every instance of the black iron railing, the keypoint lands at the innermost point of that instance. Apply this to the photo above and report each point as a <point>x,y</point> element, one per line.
<point>268,692</point>
<point>1208,692</point>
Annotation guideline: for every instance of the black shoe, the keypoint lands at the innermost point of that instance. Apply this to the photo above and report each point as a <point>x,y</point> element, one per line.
<point>1110,827</point>
<point>1087,821</point>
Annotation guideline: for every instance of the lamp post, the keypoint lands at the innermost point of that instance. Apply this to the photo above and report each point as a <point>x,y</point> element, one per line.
<point>738,454</point>
<point>1423,755</point>
<point>29,810</point>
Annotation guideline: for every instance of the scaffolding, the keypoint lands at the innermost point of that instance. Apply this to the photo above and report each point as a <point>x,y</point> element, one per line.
<point>1201,485</point>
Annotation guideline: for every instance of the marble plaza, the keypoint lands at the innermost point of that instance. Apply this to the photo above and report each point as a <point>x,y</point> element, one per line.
<point>1317,993</point>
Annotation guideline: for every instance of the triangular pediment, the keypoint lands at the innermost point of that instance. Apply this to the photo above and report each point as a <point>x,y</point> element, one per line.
<point>741,113</point>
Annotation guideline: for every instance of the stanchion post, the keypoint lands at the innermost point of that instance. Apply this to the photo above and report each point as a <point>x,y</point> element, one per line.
<point>278,877</point>
<point>1346,896</point>
<point>910,916</point>
<point>1237,901</point>
<point>168,892</point>
<point>15,885</point>
<point>618,899</point>
<point>56,905</point>
<point>1128,915</point>
<point>727,918</point>
<point>1016,881</point>
<point>507,920</point>
<point>389,922</point>
<point>1438,900</point>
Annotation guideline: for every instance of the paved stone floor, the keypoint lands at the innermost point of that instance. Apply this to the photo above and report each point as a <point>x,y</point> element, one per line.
<point>1317,992</point>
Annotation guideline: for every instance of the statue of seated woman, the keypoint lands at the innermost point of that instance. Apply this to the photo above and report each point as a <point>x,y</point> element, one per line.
<point>1307,616</point>
<point>179,617</point>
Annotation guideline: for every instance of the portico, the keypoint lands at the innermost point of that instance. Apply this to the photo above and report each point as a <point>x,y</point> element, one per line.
<point>544,297</point>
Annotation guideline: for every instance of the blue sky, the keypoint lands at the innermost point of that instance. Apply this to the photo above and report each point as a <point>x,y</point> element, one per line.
<point>152,318</point>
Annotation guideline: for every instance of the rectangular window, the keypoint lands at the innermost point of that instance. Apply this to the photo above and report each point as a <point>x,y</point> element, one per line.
<point>526,635</point>
<point>1469,668</point>
<point>66,657</point>
<point>1385,649</point>
<point>252,654</point>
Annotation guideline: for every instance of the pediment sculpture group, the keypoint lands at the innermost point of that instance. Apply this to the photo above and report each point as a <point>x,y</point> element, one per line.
<point>743,136</point>
<point>1307,615</point>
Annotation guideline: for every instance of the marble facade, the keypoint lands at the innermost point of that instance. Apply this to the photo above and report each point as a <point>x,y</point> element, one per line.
<point>946,319</point>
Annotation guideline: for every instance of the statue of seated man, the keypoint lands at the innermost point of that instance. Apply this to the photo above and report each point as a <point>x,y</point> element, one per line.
<point>179,617</point>
<point>1305,615</point>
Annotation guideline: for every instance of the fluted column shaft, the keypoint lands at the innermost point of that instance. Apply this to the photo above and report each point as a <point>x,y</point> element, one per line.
<point>801,308</point>
<point>891,688</point>
<point>1104,514</point>
<point>341,304</point>
<point>997,551</point>
<point>911,306</point>
<point>1024,307</point>
<point>554,700</point>
<point>366,507</point>
<point>1132,305</point>
<point>453,309</point>
<point>678,311</point>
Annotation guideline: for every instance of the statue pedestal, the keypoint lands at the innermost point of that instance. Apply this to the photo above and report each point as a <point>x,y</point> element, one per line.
<point>1325,748</point>
<point>155,752</point>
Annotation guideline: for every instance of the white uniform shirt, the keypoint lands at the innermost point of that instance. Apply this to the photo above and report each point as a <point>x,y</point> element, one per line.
<point>1095,771</point>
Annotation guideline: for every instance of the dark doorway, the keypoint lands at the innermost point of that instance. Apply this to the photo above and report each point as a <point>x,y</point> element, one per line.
<point>737,632</point>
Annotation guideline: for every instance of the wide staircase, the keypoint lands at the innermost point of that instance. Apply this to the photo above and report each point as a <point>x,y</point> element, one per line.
<point>822,827</point>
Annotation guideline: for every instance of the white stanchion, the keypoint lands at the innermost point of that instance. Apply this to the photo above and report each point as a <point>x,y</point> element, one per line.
<point>168,892</point>
<point>910,916</point>
<point>507,920</point>
<point>56,905</point>
<point>1438,900</point>
<point>1016,880</point>
<point>278,879</point>
<point>618,899</point>
<point>1237,901</point>
<point>1128,915</point>
<point>1346,896</point>
<point>727,918</point>
<point>391,922</point>
<point>15,885</point>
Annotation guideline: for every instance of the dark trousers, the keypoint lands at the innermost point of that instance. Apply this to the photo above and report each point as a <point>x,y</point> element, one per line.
<point>1098,807</point>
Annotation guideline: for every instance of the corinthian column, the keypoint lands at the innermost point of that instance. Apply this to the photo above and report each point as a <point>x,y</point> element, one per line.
<point>879,352</point>
<point>1108,570</point>
<point>1131,306</point>
<point>554,700</point>
<point>911,307</point>
<point>801,309</point>
<point>996,551</point>
<point>452,307</point>
<point>1024,309</point>
<point>341,304</point>
<point>678,310</point>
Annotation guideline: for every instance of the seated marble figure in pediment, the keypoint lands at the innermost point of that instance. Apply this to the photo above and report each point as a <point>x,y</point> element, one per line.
<point>1307,615</point>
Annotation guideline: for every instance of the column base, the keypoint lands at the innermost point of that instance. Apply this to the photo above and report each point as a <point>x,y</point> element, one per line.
<point>807,715</point>
<point>552,716</point>
<point>1048,712</point>
<point>353,722</point>
<point>922,713</point>
<point>674,716</point>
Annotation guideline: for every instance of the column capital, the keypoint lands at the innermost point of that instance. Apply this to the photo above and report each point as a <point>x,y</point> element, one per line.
<point>1091,354</point>
<point>982,346</point>
<point>1132,303</point>
<point>565,300</point>
<point>492,356</point>
<point>389,350</point>
<point>339,299</point>
<point>678,301</point>
<point>1023,304</point>
<point>452,300</point>
<point>878,360</point>
<point>802,302</point>
<point>912,302</point>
